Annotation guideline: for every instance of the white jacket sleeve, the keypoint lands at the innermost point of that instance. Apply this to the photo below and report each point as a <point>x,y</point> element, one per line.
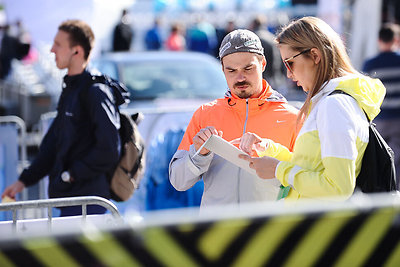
<point>185,169</point>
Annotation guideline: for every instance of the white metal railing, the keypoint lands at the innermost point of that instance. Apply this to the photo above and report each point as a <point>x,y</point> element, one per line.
<point>22,136</point>
<point>22,140</point>
<point>14,207</point>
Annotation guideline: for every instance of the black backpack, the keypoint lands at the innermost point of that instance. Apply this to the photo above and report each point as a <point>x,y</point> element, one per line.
<point>378,172</point>
<point>126,176</point>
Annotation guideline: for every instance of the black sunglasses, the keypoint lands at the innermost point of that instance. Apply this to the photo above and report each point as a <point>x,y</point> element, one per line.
<point>287,63</point>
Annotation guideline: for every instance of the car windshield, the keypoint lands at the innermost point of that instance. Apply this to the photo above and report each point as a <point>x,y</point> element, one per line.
<point>173,79</point>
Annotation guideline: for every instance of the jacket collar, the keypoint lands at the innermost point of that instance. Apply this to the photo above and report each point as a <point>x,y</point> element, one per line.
<point>74,80</point>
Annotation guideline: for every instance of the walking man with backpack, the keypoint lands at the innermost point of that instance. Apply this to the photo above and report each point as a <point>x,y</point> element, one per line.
<point>82,147</point>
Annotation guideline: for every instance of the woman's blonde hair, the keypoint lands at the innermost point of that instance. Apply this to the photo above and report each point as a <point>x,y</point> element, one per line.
<point>311,32</point>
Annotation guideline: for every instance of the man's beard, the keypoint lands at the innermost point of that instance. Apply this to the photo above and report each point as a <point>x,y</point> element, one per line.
<point>240,93</point>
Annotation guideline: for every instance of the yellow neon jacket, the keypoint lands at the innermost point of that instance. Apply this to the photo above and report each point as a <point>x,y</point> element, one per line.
<point>327,154</point>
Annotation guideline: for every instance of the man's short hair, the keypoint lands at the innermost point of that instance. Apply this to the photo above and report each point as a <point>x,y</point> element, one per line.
<point>80,34</point>
<point>388,32</point>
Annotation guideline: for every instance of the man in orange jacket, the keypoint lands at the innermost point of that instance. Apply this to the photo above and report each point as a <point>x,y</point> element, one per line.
<point>250,105</point>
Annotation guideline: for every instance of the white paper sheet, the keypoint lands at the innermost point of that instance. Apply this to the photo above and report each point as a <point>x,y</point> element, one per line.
<point>228,151</point>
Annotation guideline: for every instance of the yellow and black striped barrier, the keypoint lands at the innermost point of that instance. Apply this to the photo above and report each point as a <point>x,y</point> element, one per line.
<point>346,234</point>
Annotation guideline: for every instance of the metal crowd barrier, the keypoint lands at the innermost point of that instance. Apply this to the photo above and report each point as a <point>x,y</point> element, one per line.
<point>25,93</point>
<point>59,202</point>
<point>21,125</point>
<point>20,160</point>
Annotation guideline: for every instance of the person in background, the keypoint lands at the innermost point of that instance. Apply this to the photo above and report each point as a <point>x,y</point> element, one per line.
<point>201,36</point>
<point>386,67</point>
<point>274,72</point>
<point>8,51</point>
<point>26,49</point>
<point>176,41</point>
<point>123,34</point>
<point>327,155</point>
<point>153,39</point>
<point>250,105</point>
<point>12,47</point>
<point>222,32</point>
<point>82,147</point>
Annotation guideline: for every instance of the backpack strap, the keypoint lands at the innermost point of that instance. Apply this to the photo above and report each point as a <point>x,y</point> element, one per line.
<point>344,93</point>
<point>376,155</point>
<point>89,82</point>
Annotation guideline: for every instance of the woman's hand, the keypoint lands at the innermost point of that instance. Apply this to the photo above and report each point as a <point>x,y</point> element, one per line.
<point>249,142</point>
<point>265,167</point>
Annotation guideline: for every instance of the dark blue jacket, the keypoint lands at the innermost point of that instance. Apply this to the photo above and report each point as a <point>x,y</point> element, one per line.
<point>386,67</point>
<point>82,139</point>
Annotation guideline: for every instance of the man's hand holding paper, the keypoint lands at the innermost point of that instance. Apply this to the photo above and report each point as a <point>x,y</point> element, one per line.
<point>202,136</point>
<point>227,151</point>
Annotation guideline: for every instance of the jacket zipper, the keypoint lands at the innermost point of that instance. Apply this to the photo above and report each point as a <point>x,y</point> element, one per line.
<point>244,131</point>
<point>247,116</point>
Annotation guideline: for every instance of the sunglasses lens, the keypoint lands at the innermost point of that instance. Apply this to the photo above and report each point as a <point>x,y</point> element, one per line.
<point>287,66</point>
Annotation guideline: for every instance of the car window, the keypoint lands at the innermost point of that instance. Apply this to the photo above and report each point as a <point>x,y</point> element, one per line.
<point>173,79</point>
<point>106,67</point>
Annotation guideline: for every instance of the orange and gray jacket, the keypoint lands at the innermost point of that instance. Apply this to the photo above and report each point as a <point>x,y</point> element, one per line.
<point>224,183</point>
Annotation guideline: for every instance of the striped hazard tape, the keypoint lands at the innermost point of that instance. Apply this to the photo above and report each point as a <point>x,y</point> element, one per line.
<point>352,237</point>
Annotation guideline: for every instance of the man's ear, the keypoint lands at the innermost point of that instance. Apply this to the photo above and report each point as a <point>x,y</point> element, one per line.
<point>264,63</point>
<point>77,50</point>
<point>316,55</point>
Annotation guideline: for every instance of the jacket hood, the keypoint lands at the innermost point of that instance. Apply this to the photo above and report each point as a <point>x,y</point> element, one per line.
<point>120,91</point>
<point>268,94</point>
<point>368,92</point>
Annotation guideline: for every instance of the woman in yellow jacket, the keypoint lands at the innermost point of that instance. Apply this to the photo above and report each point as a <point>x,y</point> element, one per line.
<point>327,154</point>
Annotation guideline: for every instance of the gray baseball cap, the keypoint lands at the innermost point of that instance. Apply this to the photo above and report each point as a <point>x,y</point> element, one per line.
<point>240,41</point>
